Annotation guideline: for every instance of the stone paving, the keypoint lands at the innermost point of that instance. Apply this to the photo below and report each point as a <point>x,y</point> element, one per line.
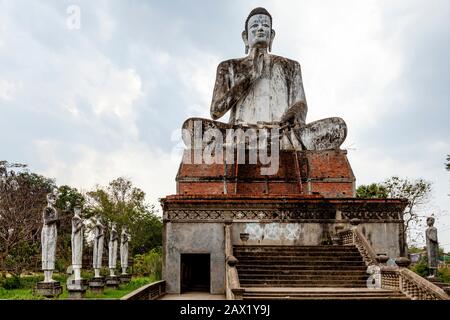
<point>193,296</point>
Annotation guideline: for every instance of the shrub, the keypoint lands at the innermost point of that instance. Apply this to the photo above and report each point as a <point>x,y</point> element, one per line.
<point>444,274</point>
<point>11,283</point>
<point>421,268</point>
<point>149,263</point>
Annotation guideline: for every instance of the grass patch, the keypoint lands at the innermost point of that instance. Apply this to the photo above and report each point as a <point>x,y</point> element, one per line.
<point>29,282</point>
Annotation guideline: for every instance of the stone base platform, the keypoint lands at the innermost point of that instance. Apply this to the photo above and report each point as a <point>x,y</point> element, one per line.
<point>77,288</point>
<point>125,278</point>
<point>48,289</point>
<point>112,282</point>
<point>97,285</point>
<point>296,173</point>
<point>194,224</point>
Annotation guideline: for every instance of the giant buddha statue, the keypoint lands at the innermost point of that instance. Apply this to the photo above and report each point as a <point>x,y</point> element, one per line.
<point>262,90</point>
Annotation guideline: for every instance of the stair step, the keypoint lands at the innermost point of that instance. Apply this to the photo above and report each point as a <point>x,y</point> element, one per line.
<point>360,276</point>
<point>301,267</point>
<point>302,262</point>
<point>299,258</point>
<point>294,247</point>
<point>304,254</point>
<point>304,283</point>
<point>357,297</point>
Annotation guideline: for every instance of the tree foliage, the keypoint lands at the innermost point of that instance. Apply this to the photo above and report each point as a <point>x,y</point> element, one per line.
<point>22,198</point>
<point>447,165</point>
<point>371,191</point>
<point>417,192</point>
<point>124,204</point>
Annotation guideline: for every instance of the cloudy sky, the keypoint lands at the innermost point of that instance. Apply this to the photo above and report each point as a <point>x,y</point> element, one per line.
<point>87,100</point>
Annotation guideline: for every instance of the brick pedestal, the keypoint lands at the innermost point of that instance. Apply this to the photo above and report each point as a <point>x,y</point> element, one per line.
<point>112,282</point>
<point>77,288</point>
<point>48,289</point>
<point>125,278</point>
<point>97,285</point>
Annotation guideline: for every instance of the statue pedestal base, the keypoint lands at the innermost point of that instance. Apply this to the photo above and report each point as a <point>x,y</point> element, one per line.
<point>97,284</point>
<point>125,278</point>
<point>112,282</point>
<point>48,289</point>
<point>77,288</point>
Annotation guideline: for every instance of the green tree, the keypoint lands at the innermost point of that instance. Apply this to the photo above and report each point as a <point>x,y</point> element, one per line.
<point>374,190</point>
<point>22,199</point>
<point>124,204</point>
<point>416,191</point>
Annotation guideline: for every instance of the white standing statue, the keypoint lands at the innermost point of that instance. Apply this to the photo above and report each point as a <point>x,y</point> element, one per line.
<point>124,239</point>
<point>77,243</point>
<point>48,236</point>
<point>99,233</point>
<point>113,242</point>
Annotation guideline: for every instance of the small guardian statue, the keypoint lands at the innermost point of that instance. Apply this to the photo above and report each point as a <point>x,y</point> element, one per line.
<point>49,236</point>
<point>432,246</point>
<point>99,235</point>
<point>124,239</point>
<point>77,243</point>
<point>113,243</point>
<point>97,283</point>
<point>75,284</point>
<point>112,280</point>
<point>49,288</point>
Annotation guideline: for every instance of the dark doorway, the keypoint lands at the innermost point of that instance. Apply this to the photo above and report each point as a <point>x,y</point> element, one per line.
<point>195,272</point>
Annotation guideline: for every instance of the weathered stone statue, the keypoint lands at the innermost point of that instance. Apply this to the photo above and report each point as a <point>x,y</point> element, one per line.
<point>124,239</point>
<point>77,243</point>
<point>49,287</point>
<point>97,283</point>
<point>75,284</point>
<point>99,235</point>
<point>432,246</point>
<point>113,243</point>
<point>49,235</point>
<point>265,90</point>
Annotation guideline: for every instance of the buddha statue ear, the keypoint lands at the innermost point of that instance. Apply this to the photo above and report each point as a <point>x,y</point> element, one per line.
<point>245,39</point>
<point>272,36</point>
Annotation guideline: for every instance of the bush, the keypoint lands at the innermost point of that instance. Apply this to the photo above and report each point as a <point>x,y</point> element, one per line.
<point>421,268</point>
<point>11,283</point>
<point>444,274</point>
<point>149,263</point>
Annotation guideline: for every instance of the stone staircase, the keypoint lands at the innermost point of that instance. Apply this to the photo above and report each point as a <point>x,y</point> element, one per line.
<point>305,272</point>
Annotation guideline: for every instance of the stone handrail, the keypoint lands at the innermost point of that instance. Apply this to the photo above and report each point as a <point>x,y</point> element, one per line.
<point>232,286</point>
<point>418,288</point>
<point>364,247</point>
<point>394,278</point>
<point>355,237</point>
<point>152,291</point>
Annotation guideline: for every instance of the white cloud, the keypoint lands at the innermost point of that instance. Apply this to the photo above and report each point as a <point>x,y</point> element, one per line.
<point>147,166</point>
<point>348,60</point>
<point>197,72</point>
<point>8,89</point>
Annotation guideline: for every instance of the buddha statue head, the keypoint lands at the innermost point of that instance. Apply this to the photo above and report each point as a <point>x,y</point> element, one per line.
<point>258,31</point>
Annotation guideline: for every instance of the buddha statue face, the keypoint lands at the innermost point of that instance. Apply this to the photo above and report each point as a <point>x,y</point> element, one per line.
<point>430,221</point>
<point>258,32</point>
